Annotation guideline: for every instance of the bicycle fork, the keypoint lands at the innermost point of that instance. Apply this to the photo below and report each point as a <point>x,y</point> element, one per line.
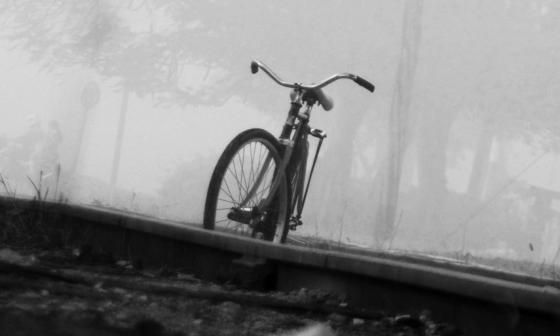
<point>295,221</point>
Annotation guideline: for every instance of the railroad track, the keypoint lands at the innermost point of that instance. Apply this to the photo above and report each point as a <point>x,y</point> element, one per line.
<point>478,301</point>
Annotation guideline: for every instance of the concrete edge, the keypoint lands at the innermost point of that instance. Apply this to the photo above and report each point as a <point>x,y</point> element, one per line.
<point>437,277</point>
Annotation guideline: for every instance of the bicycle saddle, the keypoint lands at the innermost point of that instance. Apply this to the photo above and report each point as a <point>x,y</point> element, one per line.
<point>320,96</point>
<point>324,100</point>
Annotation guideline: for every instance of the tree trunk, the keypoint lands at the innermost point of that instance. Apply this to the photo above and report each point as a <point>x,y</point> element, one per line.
<point>498,174</point>
<point>388,180</point>
<point>433,135</point>
<point>339,160</point>
<point>481,163</point>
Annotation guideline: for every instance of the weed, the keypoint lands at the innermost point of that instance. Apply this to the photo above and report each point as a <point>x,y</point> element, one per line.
<point>39,196</point>
<point>23,223</point>
<point>6,186</point>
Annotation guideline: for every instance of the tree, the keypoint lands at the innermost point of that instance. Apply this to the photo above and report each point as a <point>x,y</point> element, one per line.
<point>495,76</point>
<point>157,56</point>
<point>389,179</point>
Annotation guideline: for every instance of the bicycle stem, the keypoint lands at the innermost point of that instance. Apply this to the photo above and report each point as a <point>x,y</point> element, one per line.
<point>296,104</point>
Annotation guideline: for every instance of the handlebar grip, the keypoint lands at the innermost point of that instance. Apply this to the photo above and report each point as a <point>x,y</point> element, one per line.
<point>254,67</point>
<point>364,83</point>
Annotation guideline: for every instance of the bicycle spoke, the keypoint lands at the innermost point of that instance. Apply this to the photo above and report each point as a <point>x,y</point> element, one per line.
<point>265,190</point>
<point>269,186</point>
<point>229,188</point>
<point>259,193</point>
<point>252,172</point>
<point>248,183</point>
<point>241,160</point>
<point>255,172</point>
<point>227,201</point>
<point>236,179</point>
<point>243,186</point>
<point>227,192</point>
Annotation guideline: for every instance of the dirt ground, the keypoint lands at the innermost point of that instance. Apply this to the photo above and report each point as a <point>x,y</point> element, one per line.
<point>76,292</point>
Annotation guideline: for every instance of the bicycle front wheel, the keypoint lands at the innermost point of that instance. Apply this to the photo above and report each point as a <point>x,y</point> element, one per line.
<point>247,194</point>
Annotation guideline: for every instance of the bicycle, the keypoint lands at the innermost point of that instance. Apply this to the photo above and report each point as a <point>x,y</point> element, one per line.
<point>259,186</point>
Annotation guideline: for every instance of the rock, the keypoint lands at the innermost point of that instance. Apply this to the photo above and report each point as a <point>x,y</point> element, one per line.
<point>408,321</point>
<point>12,257</point>
<point>358,321</point>
<point>122,263</point>
<point>230,309</point>
<point>337,319</point>
<point>99,287</point>
<point>187,277</point>
<point>76,252</point>
<point>315,330</point>
<point>302,293</point>
<point>120,291</point>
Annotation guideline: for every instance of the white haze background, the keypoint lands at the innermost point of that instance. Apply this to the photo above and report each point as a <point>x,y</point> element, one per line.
<point>459,141</point>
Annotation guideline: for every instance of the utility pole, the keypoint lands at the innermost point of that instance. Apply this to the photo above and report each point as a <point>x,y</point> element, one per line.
<point>118,143</point>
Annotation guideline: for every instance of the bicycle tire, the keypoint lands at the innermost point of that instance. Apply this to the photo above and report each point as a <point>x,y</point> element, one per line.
<point>241,179</point>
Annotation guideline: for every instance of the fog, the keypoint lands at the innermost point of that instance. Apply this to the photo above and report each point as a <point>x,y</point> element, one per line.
<point>128,104</point>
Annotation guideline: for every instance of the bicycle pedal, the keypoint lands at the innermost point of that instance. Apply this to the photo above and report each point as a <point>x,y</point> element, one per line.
<point>294,223</point>
<point>318,133</point>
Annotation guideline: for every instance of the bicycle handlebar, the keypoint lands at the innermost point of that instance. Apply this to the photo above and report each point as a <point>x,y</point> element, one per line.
<point>256,65</point>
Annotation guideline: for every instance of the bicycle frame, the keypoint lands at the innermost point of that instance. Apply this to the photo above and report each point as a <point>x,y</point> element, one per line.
<point>294,138</point>
<point>302,96</point>
<point>273,180</point>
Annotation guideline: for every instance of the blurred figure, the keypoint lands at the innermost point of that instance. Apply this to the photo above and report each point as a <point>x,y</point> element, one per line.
<point>15,157</point>
<point>33,155</point>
